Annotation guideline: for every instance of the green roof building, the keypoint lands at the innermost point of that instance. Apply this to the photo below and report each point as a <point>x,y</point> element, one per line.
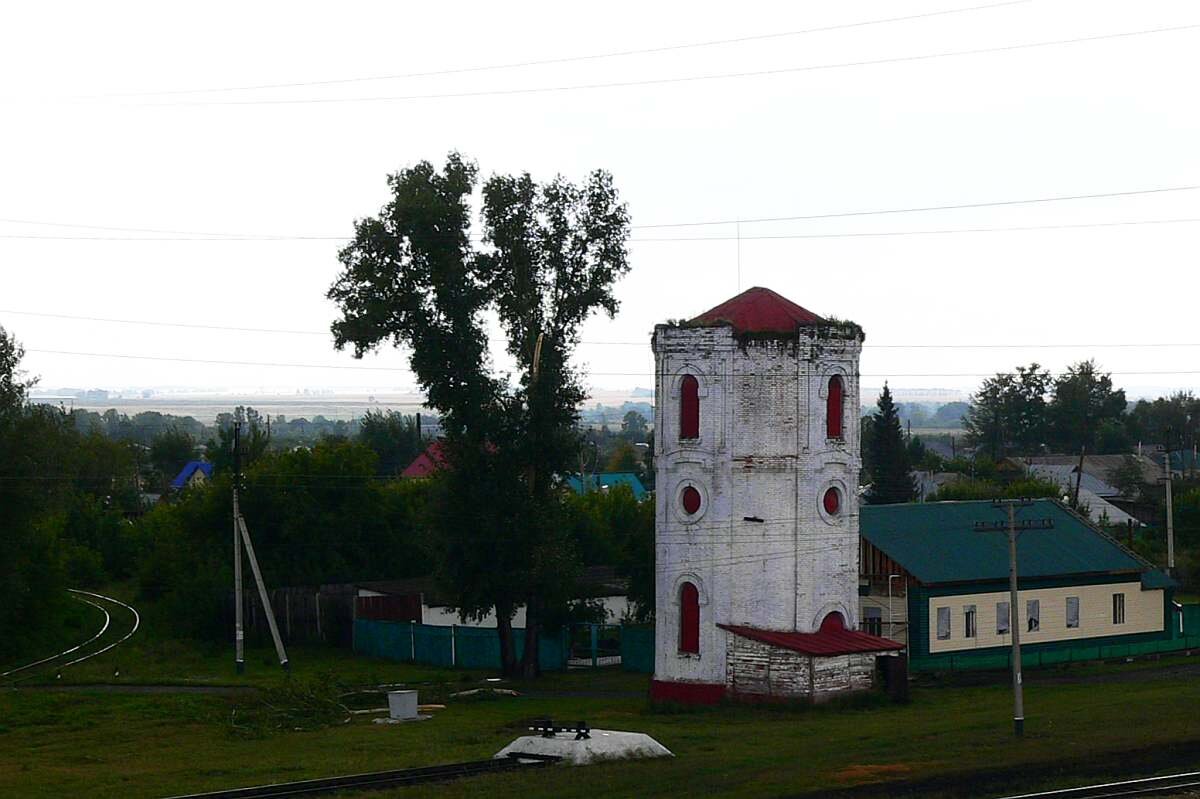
<point>928,577</point>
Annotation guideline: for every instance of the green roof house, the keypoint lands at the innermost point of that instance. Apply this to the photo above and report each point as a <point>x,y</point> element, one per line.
<point>603,481</point>
<point>928,577</point>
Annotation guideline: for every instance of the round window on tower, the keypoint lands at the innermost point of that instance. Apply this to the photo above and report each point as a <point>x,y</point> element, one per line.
<point>690,499</point>
<point>832,501</point>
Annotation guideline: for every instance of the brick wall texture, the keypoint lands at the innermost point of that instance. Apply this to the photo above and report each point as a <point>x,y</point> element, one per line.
<point>761,549</point>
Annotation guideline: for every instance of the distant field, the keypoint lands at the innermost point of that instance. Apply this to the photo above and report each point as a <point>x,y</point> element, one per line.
<point>204,408</point>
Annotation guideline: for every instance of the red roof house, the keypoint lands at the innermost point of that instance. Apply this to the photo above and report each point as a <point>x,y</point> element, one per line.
<point>428,462</point>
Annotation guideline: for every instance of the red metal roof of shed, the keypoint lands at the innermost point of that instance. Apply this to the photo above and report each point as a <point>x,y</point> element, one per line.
<point>828,641</point>
<point>428,462</point>
<point>758,310</point>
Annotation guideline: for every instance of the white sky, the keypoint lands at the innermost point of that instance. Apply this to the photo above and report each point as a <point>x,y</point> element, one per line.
<point>1093,117</point>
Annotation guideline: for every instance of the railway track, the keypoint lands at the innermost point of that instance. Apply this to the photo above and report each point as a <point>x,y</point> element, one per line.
<point>380,779</point>
<point>1165,785</point>
<point>80,652</point>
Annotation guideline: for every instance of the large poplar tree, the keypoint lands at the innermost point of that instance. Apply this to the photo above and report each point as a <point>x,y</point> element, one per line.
<point>550,255</point>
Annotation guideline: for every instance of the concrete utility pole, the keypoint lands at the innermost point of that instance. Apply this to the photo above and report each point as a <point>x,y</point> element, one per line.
<point>1014,616</point>
<point>1170,513</point>
<point>1014,625</point>
<point>262,595</point>
<point>239,656</point>
<point>242,536</point>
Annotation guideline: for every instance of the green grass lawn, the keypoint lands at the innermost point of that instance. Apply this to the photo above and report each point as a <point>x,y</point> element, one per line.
<point>73,622</point>
<point>101,744</point>
<point>173,662</point>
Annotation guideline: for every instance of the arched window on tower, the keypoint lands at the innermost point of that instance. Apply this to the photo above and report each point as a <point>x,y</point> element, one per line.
<point>689,619</point>
<point>689,407</point>
<point>834,408</point>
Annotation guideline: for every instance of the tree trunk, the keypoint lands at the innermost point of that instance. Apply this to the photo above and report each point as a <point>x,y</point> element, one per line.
<point>529,661</point>
<point>508,655</point>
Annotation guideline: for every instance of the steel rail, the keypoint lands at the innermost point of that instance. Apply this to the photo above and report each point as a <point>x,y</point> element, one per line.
<point>378,779</point>
<point>65,652</point>
<point>137,621</point>
<point>1140,787</point>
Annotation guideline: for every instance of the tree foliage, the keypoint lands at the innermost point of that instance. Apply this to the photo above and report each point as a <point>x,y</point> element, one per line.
<point>1170,421</point>
<point>1086,410</point>
<point>170,451</point>
<point>1008,412</point>
<point>393,437</point>
<point>1031,488</point>
<point>891,479</point>
<point>62,501</point>
<point>412,276</point>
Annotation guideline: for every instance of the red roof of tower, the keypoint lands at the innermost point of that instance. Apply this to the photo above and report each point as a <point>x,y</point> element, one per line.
<point>758,310</point>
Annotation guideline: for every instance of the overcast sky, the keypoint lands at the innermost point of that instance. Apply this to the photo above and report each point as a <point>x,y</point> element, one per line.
<point>100,128</point>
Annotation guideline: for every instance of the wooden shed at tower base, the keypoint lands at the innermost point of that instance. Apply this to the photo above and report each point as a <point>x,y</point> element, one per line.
<point>782,666</point>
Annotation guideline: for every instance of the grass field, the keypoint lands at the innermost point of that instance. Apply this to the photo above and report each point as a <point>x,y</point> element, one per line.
<point>95,743</point>
<point>73,622</point>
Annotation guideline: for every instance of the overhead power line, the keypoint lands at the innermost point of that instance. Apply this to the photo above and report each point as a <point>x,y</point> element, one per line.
<point>151,323</point>
<point>686,78</point>
<point>925,208</point>
<point>669,239</point>
<point>565,59</point>
<point>644,343</point>
<point>646,375</point>
<point>207,235</point>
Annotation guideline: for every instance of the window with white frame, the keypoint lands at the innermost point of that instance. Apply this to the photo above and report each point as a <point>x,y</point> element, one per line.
<point>1072,612</point>
<point>943,624</point>
<point>1002,618</point>
<point>1118,608</point>
<point>1033,615</point>
<point>969,621</point>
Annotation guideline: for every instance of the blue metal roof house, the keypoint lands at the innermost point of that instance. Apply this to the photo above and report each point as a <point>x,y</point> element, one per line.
<point>194,472</point>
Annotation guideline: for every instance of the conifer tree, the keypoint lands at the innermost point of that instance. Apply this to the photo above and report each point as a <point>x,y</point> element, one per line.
<point>891,480</point>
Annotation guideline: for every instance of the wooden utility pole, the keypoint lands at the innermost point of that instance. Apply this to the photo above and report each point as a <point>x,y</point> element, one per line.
<point>239,657</point>
<point>1078,478</point>
<point>1014,616</point>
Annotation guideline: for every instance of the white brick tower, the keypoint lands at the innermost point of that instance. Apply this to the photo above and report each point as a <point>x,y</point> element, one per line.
<point>757,457</point>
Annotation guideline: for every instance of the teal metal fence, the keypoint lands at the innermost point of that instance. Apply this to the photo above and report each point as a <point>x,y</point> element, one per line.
<point>450,646</point>
<point>1050,657</point>
<point>1191,620</point>
<point>637,648</point>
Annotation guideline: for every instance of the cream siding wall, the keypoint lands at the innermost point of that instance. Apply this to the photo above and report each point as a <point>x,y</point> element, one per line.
<point>1143,614</point>
<point>898,630</point>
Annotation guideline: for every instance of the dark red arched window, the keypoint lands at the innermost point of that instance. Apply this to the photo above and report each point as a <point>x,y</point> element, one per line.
<point>689,407</point>
<point>691,500</point>
<point>832,501</point>
<point>834,621</point>
<point>689,619</point>
<point>834,408</point>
